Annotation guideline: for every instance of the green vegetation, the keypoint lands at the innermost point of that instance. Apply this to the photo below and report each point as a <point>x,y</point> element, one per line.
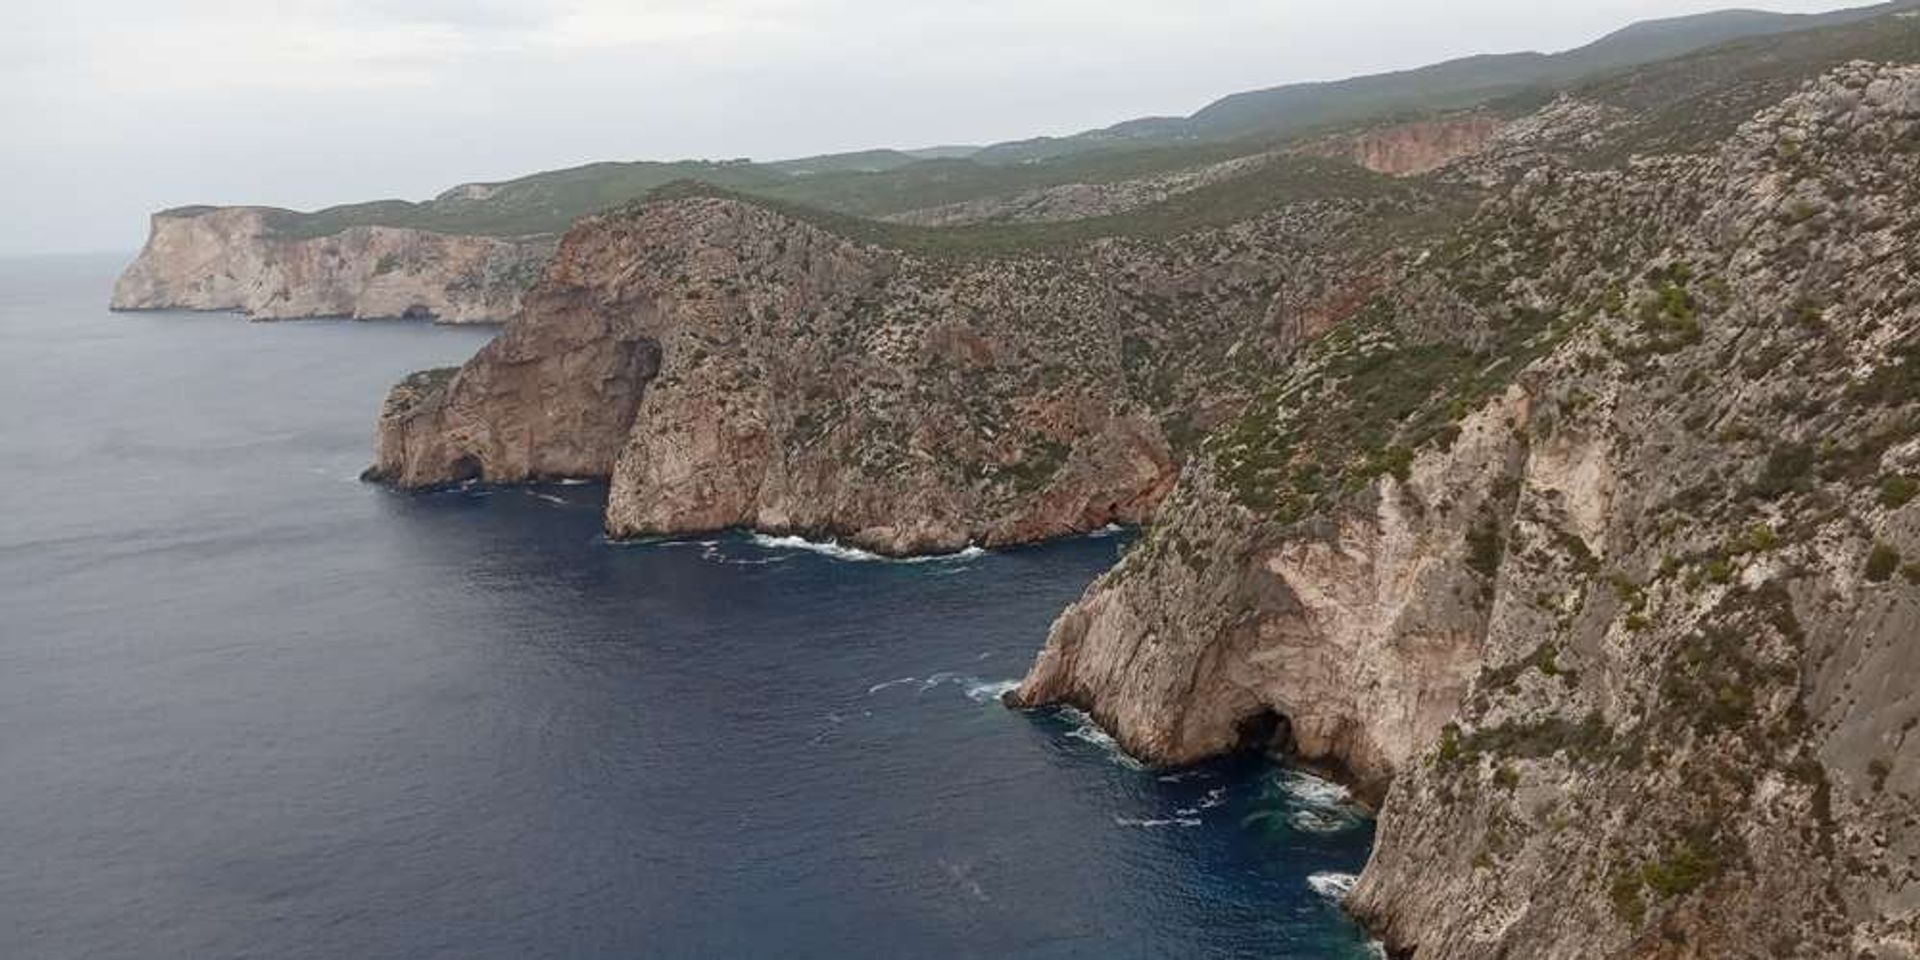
<point>1882,562</point>
<point>1759,538</point>
<point>1585,741</point>
<point>1485,547</point>
<point>1878,771</point>
<point>1545,658</point>
<point>550,202</point>
<point>1692,100</point>
<point>1897,491</point>
<point>1670,315</point>
<point>1788,468</point>
<point>1624,893</point>
<point>1039,465</point>
<point>1282,181</point>
<point>1685,868</point>
<point>1895,383</point>
<point>1695,101</point>
<point>1361,404</point>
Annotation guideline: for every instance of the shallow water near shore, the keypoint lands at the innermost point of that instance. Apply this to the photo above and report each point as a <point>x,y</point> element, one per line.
<point>255,708</point>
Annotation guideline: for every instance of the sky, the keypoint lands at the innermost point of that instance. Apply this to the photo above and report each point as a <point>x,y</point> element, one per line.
<point>115,108</point>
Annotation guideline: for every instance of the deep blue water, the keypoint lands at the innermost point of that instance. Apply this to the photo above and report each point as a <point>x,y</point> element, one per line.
<point>250,707</point>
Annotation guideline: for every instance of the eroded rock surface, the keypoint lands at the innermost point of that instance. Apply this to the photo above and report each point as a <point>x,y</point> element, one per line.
<point>1594,539</point>
<point>800,381</point>
<point>1405,149</point>
<point>236,258</point>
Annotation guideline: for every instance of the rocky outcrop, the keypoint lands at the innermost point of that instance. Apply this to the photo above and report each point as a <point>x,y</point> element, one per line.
<point>725,364</point>
<point>1593,538</point>
<point>1399,150</point>
<point>1576,527</point>
<point>1406,149</point>
<point>1348,650</point>
<point>238,258</point>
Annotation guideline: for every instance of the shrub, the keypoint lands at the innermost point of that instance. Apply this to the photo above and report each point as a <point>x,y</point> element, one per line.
<point>1882,562</point>
<point>1484,547</point>
<point>1683,870</point>
<point>1506,778</point>
<point>1760,538</point>
<point>1625,894</point>
<point>1786,469</point>
<point>1897,491</point>
<point>1879,770</point>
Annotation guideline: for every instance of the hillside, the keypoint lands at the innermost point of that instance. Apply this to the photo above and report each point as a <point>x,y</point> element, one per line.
<point>1559,498</point>
<point>881,182</point>
<point>1296,108</point>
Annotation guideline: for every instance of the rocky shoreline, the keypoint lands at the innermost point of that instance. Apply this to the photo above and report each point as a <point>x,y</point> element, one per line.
<point>238,259</point>
<point>1569,528</point>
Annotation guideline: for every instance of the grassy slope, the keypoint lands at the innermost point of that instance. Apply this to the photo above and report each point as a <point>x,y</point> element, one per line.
<point>1285,180</point>
<point>880,182</point>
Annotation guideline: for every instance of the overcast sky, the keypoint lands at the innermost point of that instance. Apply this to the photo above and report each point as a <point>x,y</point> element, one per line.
<point>113,108</point>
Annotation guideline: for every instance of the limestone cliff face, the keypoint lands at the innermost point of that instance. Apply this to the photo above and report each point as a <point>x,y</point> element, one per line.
<point>724,364</point>
<point>1362,638</point>
<point>1612,577</point>
<point>234,258</point>
<point>1406,149</point>
<point>1576,527</point>
<point>1400,150</point>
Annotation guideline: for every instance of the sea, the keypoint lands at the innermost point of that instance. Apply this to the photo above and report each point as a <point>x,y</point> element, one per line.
<point>251,707</point>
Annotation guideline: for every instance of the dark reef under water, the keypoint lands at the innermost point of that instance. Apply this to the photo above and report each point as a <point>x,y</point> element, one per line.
<point>254,707</point>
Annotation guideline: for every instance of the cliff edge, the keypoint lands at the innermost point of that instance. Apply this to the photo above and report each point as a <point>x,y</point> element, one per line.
<point>238,258</point>
<point>728,364</point>
<point>1589,548</point>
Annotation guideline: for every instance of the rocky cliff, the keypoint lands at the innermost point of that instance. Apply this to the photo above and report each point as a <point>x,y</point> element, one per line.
<point>240,258</point>
<point>1562,500</point>
<point>1591,540</point>
<point>727,364</point>
<point>1406,149</point>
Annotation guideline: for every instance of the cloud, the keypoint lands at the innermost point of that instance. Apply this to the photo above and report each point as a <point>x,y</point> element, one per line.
<point>114,108</point>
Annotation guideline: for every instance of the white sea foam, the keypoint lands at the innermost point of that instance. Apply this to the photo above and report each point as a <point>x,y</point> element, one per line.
<point>1320,806</point>
<point>573,482</point>
<point>1168,822</point>
<point>1108,530</point>
<point>1321,821</point>
<point>1314,791</point>
<point>1183,776</point>
<point>977,689</point>
<point>1333,886</point>
<point>710,550</point>
<point>1087,731</point>
<point>1214,798</point>
<point>940,678</point>
<point>548,497</point>
<point>840,551</point>
<point>989,691</point>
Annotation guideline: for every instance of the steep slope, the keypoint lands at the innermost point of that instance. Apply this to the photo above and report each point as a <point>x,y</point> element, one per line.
<point>237,258</point>
<point>1562,499</point>
<point>1590,539</point>
<point>728,364</point>
<point>266,271</point>
<point>1298,108</point>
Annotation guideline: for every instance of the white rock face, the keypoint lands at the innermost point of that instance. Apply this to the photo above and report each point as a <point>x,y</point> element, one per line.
<point>233,258</point>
